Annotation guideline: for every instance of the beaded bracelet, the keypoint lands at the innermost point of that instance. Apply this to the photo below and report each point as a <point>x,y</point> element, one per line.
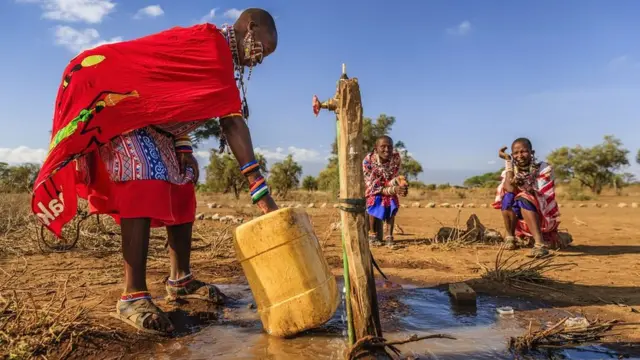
<point>249,167</point>
<point>508,165</point>
<point>258,189</point>
<point>184,145</point>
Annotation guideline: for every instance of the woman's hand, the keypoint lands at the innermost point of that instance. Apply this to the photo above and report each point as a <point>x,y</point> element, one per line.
<point>503,154</point>
<point>187,160</point>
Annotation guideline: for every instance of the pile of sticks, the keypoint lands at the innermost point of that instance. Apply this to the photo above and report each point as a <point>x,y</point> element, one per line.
<point>560,336</point>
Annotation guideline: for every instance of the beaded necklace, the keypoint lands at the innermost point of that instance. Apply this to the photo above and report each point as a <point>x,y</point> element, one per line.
<point>230,35</point>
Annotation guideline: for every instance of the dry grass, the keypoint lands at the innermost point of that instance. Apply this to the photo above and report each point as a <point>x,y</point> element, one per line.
<point>454,237</point>
<point>560,336</point>
<point>515,271</point>
<point>44,325</point>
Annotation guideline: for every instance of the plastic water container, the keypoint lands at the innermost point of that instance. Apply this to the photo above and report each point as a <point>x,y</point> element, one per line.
<point>287,272</point>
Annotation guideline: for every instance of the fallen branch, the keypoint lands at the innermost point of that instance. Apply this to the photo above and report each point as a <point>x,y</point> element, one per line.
<point>379,346</point>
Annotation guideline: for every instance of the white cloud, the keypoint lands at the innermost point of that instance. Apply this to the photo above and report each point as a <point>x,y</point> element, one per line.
<point>491,162</point>
<point>22,154</point>
<point>80,40</point>
<point>210,16</point>
<point>89,11</point>
<point>462,29</point>
<point>203,154</point>
<point>623,62</point>
<point>150,11</point>
<point>299,154</point>
<point>232,13</point>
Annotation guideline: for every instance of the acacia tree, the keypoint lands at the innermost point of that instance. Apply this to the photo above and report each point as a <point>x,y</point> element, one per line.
<point>594,167</point>
<point>17,178</point>
<point>223,173</point>
<point>310,183</point>
<point>638,157</point>
<point>285,176</point>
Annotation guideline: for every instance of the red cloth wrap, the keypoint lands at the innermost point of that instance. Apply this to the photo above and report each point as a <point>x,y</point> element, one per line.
<point>178,75</point>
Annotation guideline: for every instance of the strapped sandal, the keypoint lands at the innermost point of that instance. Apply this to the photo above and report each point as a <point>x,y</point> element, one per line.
<point>539,251</point>
<point>388,240</point>
<point>190,288</point>
<point>510,243</point>
<point>373,239</point>
<point>135,312</point>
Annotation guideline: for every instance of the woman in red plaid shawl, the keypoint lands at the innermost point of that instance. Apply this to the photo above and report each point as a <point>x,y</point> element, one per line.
<point>526,196</point>
<point>383,185</point>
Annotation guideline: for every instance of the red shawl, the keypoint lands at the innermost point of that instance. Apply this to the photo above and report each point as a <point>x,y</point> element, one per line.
<point>178,75</point>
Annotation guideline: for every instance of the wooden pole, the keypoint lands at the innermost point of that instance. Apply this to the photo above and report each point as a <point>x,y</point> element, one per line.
<point>363,300</point>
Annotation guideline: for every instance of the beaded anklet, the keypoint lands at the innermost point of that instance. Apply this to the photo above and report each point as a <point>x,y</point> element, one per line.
<point>135,296</point>
<point>182,282</point>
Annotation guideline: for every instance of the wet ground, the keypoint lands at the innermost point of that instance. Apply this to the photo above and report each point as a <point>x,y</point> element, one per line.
<point>481,332</point>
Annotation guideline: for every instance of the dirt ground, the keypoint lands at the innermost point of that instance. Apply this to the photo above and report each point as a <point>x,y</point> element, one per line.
<point>74,291</point>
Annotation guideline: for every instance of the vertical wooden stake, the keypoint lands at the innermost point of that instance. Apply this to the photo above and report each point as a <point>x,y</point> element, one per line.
<point>364,300</point>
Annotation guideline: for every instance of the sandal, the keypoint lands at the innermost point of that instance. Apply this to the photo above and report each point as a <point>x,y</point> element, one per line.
<point>539,251</point>
<point>389,242</point>
<point>510,243</point>
<point>190,288</point>
<point>135,309</point>
<point>373,239</point>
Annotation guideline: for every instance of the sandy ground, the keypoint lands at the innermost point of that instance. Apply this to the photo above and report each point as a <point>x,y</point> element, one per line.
<point>603,280</point>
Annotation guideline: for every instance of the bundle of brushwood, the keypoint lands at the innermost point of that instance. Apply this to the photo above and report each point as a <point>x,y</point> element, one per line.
<point>515,271</point>
<point>561,335</point>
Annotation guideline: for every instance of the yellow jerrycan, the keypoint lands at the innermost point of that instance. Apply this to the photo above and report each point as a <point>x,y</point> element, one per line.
<point>289,277</point>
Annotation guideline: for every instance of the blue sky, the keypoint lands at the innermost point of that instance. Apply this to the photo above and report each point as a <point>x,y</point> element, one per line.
<point>462,78</point>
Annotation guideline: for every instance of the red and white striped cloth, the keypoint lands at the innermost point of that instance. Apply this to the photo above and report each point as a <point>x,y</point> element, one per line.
<point>544,199</point>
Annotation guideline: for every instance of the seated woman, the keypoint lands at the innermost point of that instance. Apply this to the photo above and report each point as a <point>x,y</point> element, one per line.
<point>383,185</point>
<point>526,197</point>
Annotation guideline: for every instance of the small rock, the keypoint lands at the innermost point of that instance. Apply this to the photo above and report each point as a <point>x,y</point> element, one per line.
<point>471,205</point>
<point>311,206</point>
<point>605,205</point>
<point>335,206</point>
<point>634,205</point>
<point>445,205</point>
<point>211,205</point>
<point>492,236</point>
<point>215,217</point>
<point>582,205</point>
<point>403,205</point>
<point>200,216</point>
<point>219,206</point>
<point>298,206</point>
<point>415,205</point>
<point>597,205</point>
<point>238,220</point>
<point>431,205</point>
<point>622,205</point>
<point>559,205</point>
<point>323,206</point>
<point>459,205</point>
<point>484,206</point>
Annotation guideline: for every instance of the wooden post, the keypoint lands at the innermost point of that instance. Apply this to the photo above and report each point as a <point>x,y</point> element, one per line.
<point>347,104</point>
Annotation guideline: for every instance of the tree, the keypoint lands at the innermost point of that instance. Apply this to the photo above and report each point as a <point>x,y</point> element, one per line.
<point>310,183</point>
<point>593,167</point>
<point>17,178</point>
<point>223,173</point>
<point>486,180</point>
<point>328,179</point>
<point>638,157</point>
<point>411,168</point>
<point>285,176</point>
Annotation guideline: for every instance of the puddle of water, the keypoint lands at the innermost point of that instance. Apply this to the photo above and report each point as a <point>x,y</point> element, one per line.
<point>481,332</point>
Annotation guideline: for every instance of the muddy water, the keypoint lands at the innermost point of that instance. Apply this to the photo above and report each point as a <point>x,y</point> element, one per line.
<point>481,332</point>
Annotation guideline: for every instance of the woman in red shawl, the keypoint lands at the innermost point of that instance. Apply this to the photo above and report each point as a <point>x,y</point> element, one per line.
<point>133,150</point>
<point>383,184</point>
